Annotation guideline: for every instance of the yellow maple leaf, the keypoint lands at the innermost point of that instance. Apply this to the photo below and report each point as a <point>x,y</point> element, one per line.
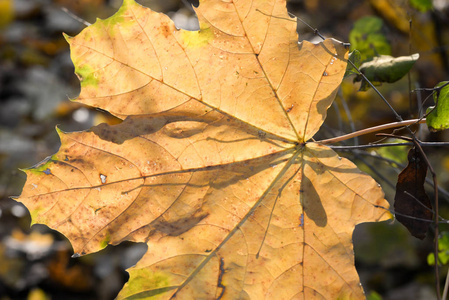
<point>212,166</point>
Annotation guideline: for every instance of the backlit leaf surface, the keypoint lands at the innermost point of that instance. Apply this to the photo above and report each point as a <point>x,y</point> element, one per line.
<point>438,117</point>
<point>212,166</point>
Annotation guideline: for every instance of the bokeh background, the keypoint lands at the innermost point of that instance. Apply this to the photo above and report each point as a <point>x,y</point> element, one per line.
<point>37,80</point>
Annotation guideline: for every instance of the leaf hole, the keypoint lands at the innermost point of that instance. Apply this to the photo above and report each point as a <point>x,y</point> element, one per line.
<point>103,178</point>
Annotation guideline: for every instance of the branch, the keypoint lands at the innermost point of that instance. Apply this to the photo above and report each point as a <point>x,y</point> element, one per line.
<point>371,130</point>
<point>423,144</point>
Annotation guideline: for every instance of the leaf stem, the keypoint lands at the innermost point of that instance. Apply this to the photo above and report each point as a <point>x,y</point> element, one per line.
<point>432,89</point>
<point>371,130</point>
<point>75,17</point>
<point>423,144</point>
<point>315,30</point>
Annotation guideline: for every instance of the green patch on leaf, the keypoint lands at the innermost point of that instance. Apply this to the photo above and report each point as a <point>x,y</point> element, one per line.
<point>422,5</point>
<point>86,74</point>
<point>36,214</point>
<point>118,18</point>
<point>438,115</point>
<point>385,68</point>
<point>43,166</point>
<point>146,284</point>
<point>367,36</point>
<point>105,242</point>
<point>196,39</point>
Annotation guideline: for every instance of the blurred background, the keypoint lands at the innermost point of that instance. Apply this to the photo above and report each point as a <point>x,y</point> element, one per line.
<point>37,80</point>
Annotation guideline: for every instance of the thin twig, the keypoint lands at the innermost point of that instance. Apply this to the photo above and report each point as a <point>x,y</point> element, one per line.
<point>339,120</point>
<point>188,5</point>
<point>398,117</point>
<point>409,76</point>
<point>423,144</point>
<point>349,115</point>
<point>410,217</point>
<point>432,89</point>
<point>395,136</point>
<point>441,190</point>
<point>315,30</point>
<point>422,204</point>
<point>75,17</point>
<point>435,189</point>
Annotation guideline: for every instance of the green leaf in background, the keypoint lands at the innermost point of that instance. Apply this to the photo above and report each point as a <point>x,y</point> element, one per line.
<point>438,117</point>
<point>355,57</point>
<point>443,250</point>
<point>367,36</point>
<point>422,5</point>
<point>385,68</point>
<point>373,296</point>
<point>397,154</point>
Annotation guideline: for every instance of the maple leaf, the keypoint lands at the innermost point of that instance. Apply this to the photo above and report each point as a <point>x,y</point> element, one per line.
<point>211,166</point>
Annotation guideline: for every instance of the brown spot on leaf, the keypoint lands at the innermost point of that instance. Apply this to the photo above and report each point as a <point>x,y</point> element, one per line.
<point>165,30</point>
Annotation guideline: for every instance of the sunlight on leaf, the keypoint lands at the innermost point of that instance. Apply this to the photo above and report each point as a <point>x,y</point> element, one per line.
<point>438,117</point>
<point>212,165</point>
